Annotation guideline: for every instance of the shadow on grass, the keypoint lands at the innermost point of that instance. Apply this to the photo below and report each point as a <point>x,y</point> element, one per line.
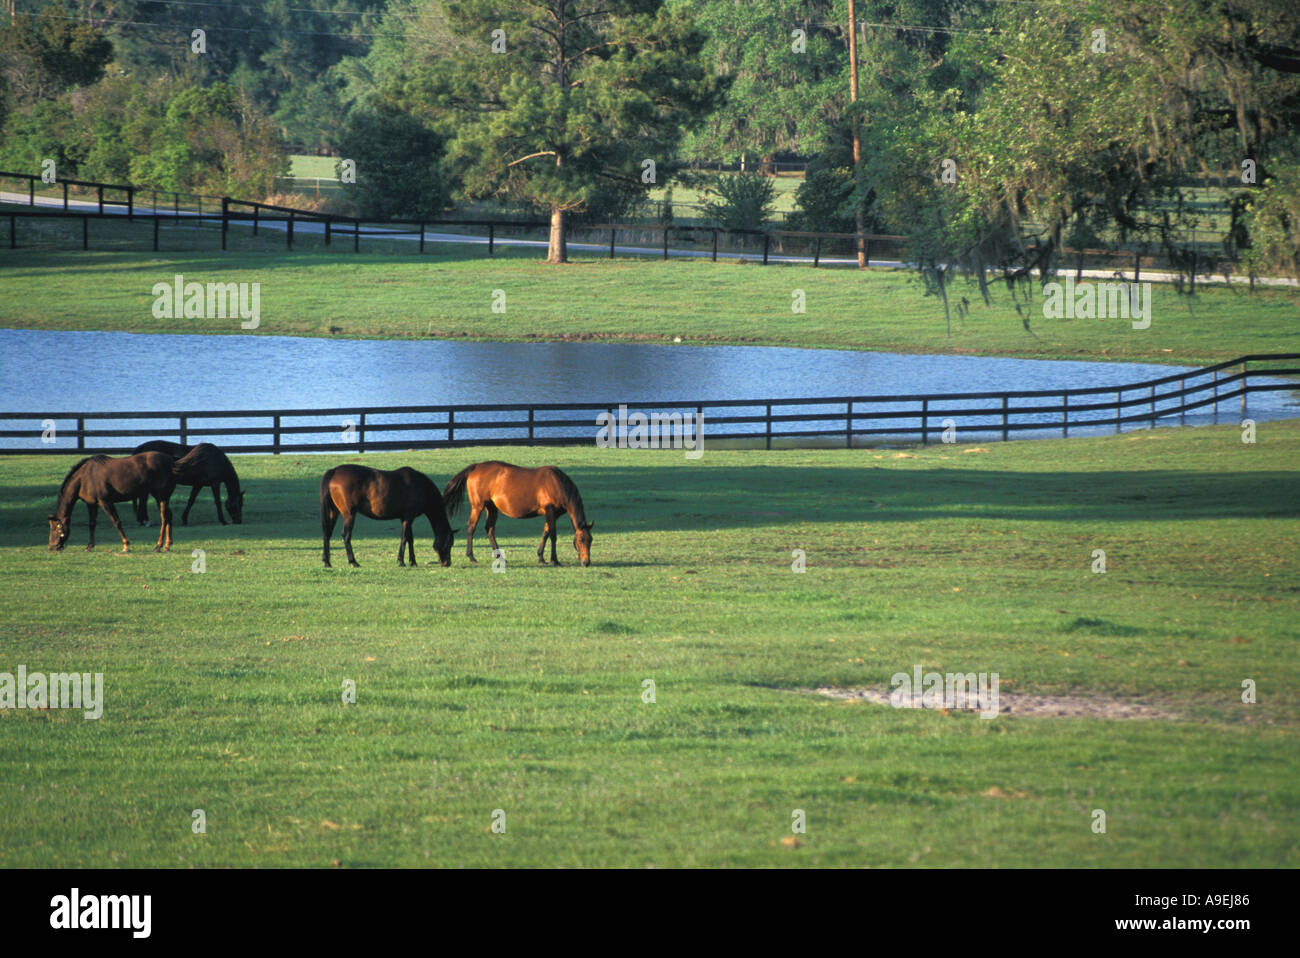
<point>661,499</point>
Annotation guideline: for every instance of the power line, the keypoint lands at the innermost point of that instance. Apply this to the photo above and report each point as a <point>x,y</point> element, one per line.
<point>186,27</point>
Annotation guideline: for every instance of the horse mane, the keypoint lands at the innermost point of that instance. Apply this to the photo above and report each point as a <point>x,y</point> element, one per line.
<point>571,492</point>
<point>73,471</point>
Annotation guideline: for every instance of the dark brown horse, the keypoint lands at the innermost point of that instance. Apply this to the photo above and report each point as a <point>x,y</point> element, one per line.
<point>401,494</point>
<point>100,482</point>
<point>202,465</point>
<point>520,493</point>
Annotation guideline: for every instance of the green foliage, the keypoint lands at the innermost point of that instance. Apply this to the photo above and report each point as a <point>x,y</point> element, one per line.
<point>581,93</point>
<point>212,140</point>
<point>398,163</point>
<point>1274,225</point>
<point>744,201</point>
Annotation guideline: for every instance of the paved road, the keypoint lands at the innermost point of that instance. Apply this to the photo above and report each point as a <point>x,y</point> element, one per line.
<point>307,226</point>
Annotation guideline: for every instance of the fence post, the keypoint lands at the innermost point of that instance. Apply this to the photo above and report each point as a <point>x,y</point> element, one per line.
<point>101,201</point>
<point>1004,418</point>
<point>81,432</point>
<point>275,438</point>
<point>1065,415</point>
<point>1216,396</point>
<point>65,195</point>
<point>256,211</point>
<point>421,237</point>
<point>665,242</point>
<point>817,252</point>
<point>715,246</point>
<point>327,231</point>
<point>1119,411</point>
<point>289,232</point>
<point>356,236</point>
<point>848,424</point>
<point>13,234</point>
<point>225,220</point>
<point>130,203</point>
<point>925,415</point>
<point>612,233</point>
<point>866,251</point>
<point>361,432</point>
<point>1153,408</point>
<point>767,432</point>
<point>85,231</point>
<point>176,206</point>
<point>530,423</point>
<point>185,430</point>
<point>31,190</point>
<point>492,238</point>
<point>766,242</point>
<point>155,232</point>
<point>451,425</point>
<point>1243,387</point>
<point>1182,402</point>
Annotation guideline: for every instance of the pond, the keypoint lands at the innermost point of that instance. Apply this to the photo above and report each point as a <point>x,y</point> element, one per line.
<point>69,372</point>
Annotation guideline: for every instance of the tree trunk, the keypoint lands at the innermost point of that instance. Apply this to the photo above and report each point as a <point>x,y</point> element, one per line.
<point>557,249</point>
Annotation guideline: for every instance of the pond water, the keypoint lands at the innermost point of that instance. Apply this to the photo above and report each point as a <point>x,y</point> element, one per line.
<point>67,372</point>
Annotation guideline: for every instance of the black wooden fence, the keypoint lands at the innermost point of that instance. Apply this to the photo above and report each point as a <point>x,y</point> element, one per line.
<point>832,419</point>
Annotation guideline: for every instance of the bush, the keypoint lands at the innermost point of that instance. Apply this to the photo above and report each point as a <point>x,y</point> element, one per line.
<point>399,168</point>
<point>744,201</point>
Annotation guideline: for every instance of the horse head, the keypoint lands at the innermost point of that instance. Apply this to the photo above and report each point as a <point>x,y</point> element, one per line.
<point>582,542</point>
<point>59,530</point>
<point>442,543</point>
<point>235,506</point>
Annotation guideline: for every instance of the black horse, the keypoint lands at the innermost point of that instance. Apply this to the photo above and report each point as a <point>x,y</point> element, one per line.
<point>202,465</point>
<point>401,494</point>
<point>99,482</point>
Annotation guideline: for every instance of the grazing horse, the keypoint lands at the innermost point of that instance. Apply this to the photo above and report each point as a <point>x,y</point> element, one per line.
<point>99,482</point>
<point>521,494</point>
<point>401,494</point>
<point>203,465</point>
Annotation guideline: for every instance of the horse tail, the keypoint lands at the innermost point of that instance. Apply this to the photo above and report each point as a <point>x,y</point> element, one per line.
<point>454,494</point>
<point>183,466</point>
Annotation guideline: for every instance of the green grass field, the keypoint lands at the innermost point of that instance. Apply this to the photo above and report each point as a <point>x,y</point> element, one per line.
<point>448,293</point>
<point>522,691</point>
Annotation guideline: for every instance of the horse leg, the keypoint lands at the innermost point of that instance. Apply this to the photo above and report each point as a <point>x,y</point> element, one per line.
<point>216,497</point>
<point>401,545</point>
<point>94,514</point>
<point>410,538</point>
<point>546,532</point>
<point>117,524</point>
<point>329,516</point>
<point>165,533</point>
<point>473,524</point>
<point>553,517</point>
<point>185,516</point>
<point>492,513</point>
<point>348,520</point>
<point>142,510</point>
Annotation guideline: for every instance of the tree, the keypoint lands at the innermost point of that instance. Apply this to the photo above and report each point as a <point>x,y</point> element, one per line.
<point>559,102</point>
<point>398,165</point>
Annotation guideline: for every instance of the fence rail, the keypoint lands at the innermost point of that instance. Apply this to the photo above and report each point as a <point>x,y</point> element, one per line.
<point>829,418</point>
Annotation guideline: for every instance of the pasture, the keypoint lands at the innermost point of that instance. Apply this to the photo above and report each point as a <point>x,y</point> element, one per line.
<point>449,292</point>
<point>523,690</point>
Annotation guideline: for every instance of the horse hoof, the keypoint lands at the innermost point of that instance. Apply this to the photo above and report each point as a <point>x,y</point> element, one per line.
<point>328,566</point>
<point>354,564</point>
<point>88,548</point>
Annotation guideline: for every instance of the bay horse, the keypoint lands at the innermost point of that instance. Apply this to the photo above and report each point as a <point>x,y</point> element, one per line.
<point>400,494</point>
<point>99,482</point>
<point>202,465</point>
<point>520,493</point>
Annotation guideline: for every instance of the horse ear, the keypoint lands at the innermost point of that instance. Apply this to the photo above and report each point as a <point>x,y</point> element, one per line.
<point>589,525</point>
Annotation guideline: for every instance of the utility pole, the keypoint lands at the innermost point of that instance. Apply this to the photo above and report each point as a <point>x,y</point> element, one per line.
<point>857,138</point>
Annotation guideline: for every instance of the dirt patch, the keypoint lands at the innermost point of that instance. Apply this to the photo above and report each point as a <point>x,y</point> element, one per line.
<point>1021,703</point>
